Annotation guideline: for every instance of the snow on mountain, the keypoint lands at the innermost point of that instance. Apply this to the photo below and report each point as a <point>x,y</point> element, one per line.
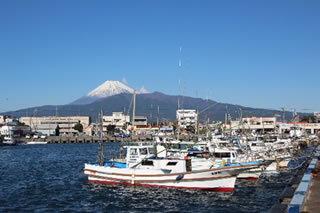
<point>143,90</point>
<point>108,88</point>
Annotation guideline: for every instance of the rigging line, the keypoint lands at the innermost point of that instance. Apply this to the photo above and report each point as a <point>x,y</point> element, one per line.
<point>212,105</point>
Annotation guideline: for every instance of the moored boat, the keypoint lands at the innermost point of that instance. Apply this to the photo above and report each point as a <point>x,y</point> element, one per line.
<point>8,141</point>
<point>170,173</point>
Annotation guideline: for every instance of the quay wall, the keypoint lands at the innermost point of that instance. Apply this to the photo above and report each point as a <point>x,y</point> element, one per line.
<point>293,197</point>
<point>95,139</point>
<point>68,139</point>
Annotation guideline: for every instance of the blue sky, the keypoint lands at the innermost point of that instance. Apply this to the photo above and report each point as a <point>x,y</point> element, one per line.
<point>258,53</point>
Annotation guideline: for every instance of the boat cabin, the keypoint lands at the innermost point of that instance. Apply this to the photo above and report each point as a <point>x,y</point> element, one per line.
<point>136,154</point>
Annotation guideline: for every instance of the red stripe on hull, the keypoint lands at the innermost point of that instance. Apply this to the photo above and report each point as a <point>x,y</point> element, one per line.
<point>218,189</point>
<point>249,178</point>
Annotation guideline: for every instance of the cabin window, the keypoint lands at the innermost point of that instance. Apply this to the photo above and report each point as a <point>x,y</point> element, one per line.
<point>151,151</point>
<point>147,163</point>
<point>225,155</point>
<point>171,163</point>
<point>222,155</point>
<point>143,151</point>
<point>133,151</point>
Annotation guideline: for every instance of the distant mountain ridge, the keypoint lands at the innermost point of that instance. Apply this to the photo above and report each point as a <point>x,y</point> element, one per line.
<point>147,105</point>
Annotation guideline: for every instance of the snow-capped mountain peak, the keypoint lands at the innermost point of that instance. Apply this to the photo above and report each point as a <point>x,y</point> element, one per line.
<point>110,88</point>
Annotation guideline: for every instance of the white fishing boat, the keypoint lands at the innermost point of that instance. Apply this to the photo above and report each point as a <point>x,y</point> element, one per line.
<point>170,173</point>
<point>144,167</point>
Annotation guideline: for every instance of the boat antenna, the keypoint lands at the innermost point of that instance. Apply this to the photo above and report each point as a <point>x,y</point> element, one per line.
<point>100,155</point>
<point>134,110</point>
<point>180,69</point>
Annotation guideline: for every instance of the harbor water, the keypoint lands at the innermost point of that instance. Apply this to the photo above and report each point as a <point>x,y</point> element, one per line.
<point>49,178</point>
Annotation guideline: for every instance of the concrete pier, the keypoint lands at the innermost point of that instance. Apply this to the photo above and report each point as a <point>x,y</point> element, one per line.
<point>86,139</point>
<point>295,197</point>
<point>95,139</point>
<point>312,200</point>
<point>300,200</point>
<point>305,197</point>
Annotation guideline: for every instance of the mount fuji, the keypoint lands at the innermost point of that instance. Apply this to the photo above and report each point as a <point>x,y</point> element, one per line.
<point>107,89</point>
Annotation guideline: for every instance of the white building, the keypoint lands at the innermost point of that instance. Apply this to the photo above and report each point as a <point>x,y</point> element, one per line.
<point>14,130</point>
<point>313,128</point>
<point>140,121</point>
<point>118,119</point>
<point>5,119</point>
<point>2,119</point>
<point>255,123</point>
<point>186,117</point>
<point>48,124</point>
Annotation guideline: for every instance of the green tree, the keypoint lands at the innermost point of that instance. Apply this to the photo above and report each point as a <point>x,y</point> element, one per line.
<point>308,118</point>
<point>78,127</point>
<point>203,131</point>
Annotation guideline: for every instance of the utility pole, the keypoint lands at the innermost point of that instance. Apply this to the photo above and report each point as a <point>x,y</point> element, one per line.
<point>198,123</point>
<point>158,117</point>
<point>283,115</point>
<point>294,121</point>
<point>134,109</point>
<point>180,66</point>
<point>100,155</point>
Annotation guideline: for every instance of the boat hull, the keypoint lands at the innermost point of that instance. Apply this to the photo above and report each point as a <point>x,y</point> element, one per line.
<point>216,189</point>
<point>212,180</point>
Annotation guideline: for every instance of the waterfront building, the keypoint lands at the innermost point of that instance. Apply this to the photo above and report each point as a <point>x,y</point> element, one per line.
<point>48,124</point>
<point>186,118</point>
<point>2,119</point>
<point>14,129</point>
<point>5,119</point>
<point>140,121</point>
<point>255,123</point>
<point>118,119</point>
<point>311,128</point>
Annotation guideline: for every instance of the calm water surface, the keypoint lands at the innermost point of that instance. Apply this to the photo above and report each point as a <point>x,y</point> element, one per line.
<point>49,178</point>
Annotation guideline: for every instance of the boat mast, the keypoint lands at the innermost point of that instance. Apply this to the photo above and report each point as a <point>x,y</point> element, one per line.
<point>179,104</point>
<point>134,109</point>
<point>100,155</point>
